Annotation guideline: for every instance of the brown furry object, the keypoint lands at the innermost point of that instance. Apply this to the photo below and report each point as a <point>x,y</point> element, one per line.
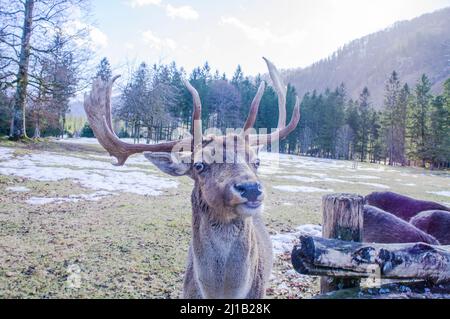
<point>435,223</point>
<point>383,227</point>
<point>401,206</point>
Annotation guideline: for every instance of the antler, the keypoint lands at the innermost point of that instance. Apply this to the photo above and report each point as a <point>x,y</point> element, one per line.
<point>97,105</point>
<point>280,134</point>
<point>282,130</point>
<point>281,90</point>
<point>197,132</point>
<point>254,108</point>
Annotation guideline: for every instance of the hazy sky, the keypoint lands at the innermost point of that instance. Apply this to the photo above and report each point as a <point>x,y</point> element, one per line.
<point>293,33</point>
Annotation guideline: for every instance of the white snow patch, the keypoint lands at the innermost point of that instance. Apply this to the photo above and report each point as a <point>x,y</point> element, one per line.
<point>375,185</point>
<point>314,180</point>
<point>441,193</point>
<point>321,175</point>
<point>40,200</point>
<point>18,189</point>
<point>94,141</point>
<point>371,169</point>
<point>336,180</point>
<point>5,153</point>
<point>93,174</point>
<point>301,162</point>
<point>283,243</point>
<point>410,184</point>
<point>301,178</point>
<point>269,170</point>
<point>301,189</point>
<point>310,230</point>
<point>82,140</point>
<point>72,198</point>
<point>360,176</point>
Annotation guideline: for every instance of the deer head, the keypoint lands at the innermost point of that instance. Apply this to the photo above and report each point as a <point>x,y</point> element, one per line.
<point>224,168</point>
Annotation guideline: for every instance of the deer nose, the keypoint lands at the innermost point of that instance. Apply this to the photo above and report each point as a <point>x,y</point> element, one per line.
<point>250,191</point>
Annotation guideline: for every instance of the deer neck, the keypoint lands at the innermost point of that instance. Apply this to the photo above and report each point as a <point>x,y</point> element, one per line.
<point>224,250</point>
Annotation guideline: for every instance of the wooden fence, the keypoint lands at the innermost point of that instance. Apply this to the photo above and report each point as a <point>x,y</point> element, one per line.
<point>413,270</point>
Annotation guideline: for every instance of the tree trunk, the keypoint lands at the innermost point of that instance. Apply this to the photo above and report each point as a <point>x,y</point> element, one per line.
<point>342,219</point>
<point>149,134</point>
<point>138,132</point>
<point>63,125</point>
<point>11,126</point>
<point>412,261</point>
<point>19,125</point>
<point>37,129</point>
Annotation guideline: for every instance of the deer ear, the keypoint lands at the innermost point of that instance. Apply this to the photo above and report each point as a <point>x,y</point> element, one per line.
<point>170,163</point>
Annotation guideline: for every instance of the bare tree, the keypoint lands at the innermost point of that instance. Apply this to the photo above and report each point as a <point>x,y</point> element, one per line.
<point>224,101</point>
<point>27,28</point>
<point>344,137</point>
<point>147,101</point>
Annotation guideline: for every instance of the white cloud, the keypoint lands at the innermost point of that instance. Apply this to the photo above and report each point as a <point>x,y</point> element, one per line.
<point>142,3</point>
<point>158,43</point>
<point>130,46</point>
<point>99,39</point>
<point>258,35</point>
<point>262,36</point>
<point>183,12</point>
<point>96,39</point>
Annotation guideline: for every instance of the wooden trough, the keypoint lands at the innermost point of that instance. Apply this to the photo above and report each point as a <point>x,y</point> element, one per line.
<point>414,270</point>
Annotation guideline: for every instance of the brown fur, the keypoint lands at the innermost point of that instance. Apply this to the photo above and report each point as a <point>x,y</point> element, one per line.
<point>401,206</point>
<point>230,255</point>
<point>435,223</point>
<point>383,227</point>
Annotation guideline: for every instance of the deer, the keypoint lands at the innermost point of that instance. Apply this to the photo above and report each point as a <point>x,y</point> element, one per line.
<point>230,252</point>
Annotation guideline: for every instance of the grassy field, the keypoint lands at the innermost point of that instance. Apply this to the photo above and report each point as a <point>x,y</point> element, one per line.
<point>66,213</point>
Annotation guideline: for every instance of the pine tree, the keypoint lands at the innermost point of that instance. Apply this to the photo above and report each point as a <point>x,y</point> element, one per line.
<point>238,76</point>
<point>418,121</point>
<point>375,146</point>
<point>200,78</point>
<point>391,120</point>
<point>305,125</point>
<point>353,120</point>
<point>364,111</point>
<point>289,144</point>
<point>104,70</point>
<point>438,146</point>
<point>401,122</point>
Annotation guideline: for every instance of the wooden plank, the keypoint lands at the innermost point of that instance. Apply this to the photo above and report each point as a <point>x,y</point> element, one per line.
<point>413,261</point>
<point>400,290</point>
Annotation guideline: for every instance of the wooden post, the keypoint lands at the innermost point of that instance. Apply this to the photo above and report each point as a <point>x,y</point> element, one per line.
<point>342,219</point>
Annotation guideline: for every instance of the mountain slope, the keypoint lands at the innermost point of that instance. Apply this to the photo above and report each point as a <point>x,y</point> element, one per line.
<point>414,47</point>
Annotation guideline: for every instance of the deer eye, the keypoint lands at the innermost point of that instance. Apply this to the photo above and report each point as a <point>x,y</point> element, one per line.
<point>257,163</point>
<point>199,167</point>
